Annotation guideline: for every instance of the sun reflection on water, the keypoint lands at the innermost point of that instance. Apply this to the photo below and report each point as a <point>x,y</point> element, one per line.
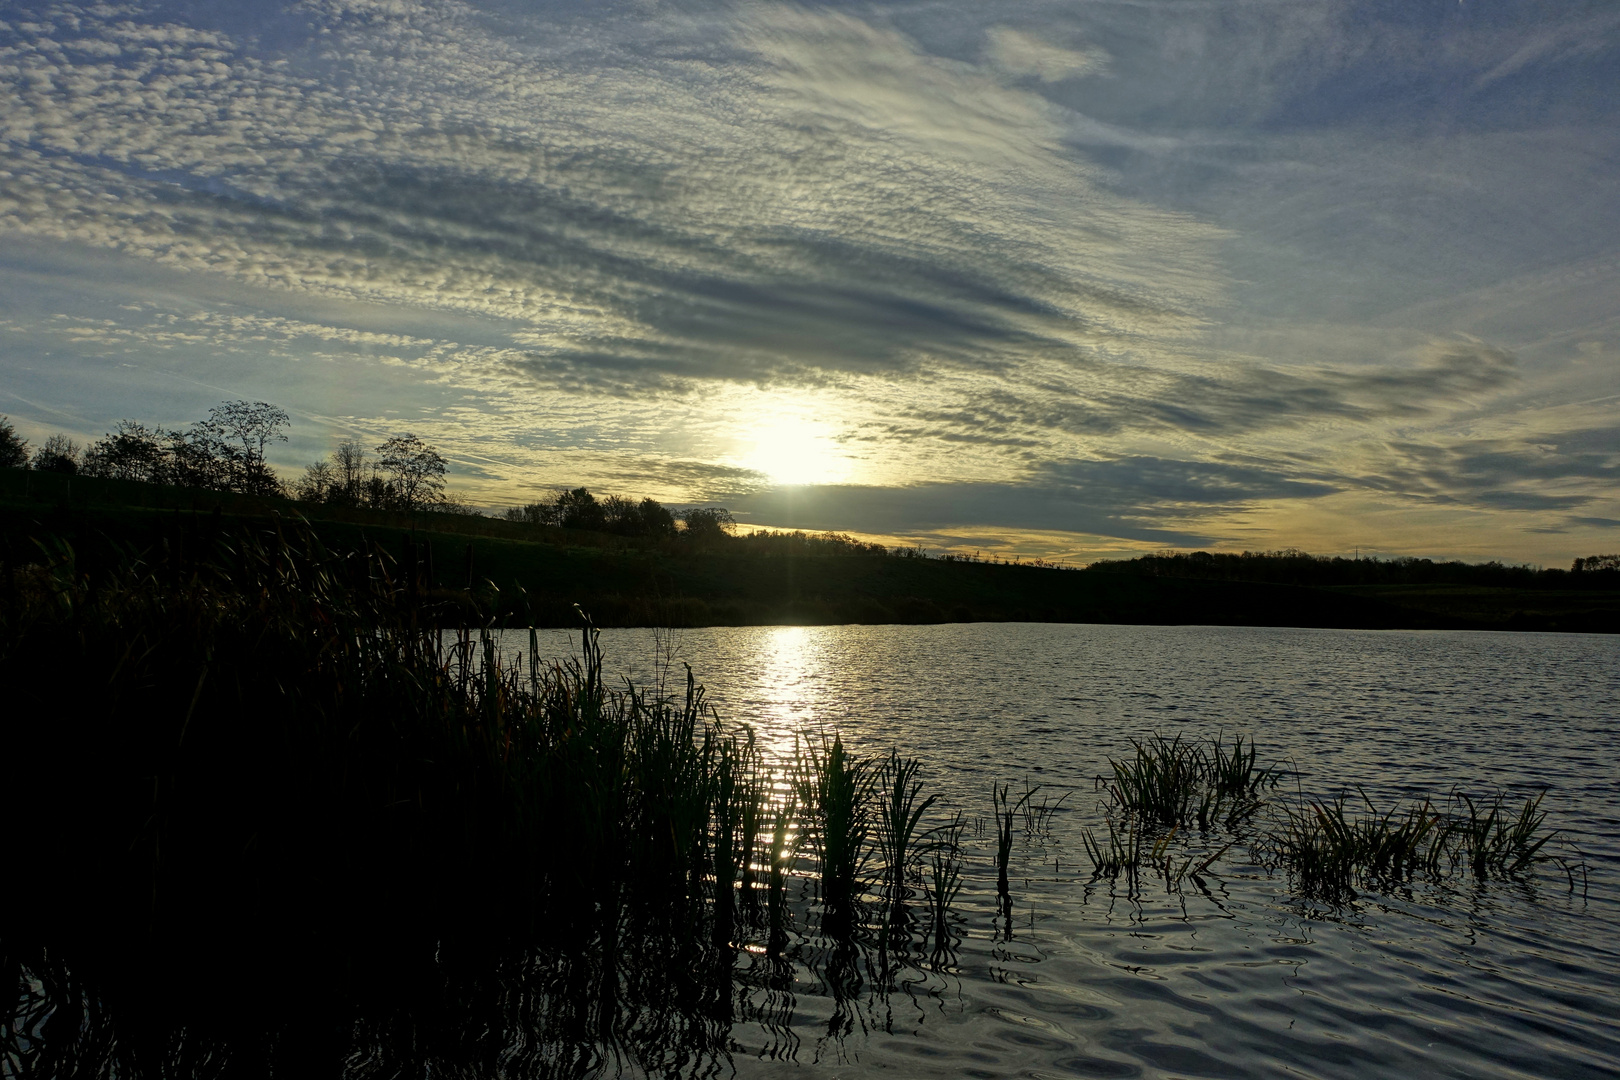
<point>786,706</point>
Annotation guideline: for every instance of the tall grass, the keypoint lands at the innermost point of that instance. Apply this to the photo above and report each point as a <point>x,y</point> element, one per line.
<point>945,883</point>
<point>1171,783</point>
<point>1161,783</point>
<point>1495,842</point>
<point>901,839</point>
<point>1005,814</point>
<point>835,790</point>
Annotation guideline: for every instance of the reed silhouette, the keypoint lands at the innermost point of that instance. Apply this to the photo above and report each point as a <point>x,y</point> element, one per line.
<point>282,823</point>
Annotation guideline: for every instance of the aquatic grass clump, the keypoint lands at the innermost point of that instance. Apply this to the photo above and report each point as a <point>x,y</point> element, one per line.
<point>1328,849</point>
<point>1173,783</point>
<point>945,883</point>
<point>1121,854</point>
<point>1233,773</point>
<point>1161,782</point>
<point>1494,842</point>
<point>1038,815</point>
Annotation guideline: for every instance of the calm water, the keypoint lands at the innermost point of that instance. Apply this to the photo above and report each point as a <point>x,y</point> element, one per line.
<point>1243,979</point>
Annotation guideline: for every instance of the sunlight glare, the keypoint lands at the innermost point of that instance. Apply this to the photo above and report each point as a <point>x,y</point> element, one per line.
<point>794,449</point>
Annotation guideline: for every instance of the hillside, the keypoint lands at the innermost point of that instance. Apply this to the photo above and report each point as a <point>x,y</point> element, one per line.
<point>520,574</point>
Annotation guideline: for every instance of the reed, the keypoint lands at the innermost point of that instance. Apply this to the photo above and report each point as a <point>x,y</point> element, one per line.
<point>1005,814</point>
<point>1171,783</point>
<point>1328,849</point>
<point>900,841</point>
<point>1495,842</point>
<point>1121,854</point>
<point>783,842</point>
<point>1162,782</point>
<point>1038,815</point>
<point>246,756</point>
<point>1236,780</point>
<point>835,790</point>
<point>945,883</point>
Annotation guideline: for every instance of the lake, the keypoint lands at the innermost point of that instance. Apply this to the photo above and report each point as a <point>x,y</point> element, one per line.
<point>1238,976</point>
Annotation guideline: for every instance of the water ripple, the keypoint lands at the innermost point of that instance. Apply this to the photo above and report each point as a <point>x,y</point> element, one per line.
<point>1245,979</point>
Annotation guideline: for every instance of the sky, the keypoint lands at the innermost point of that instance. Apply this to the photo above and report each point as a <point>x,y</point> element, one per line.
<point>1061,279</point>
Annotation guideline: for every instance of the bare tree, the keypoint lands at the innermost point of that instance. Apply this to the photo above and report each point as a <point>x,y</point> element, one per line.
<point>349,459</point>
<point>318,484</point>
<point>417,470</point>
<point>240,431</point>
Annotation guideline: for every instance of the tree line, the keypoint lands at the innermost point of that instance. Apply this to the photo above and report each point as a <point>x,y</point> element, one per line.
<point>577,508</point>
<point>1291,566</point>
<point>226,452</point>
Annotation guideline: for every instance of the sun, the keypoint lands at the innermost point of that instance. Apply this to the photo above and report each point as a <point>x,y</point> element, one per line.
<point>794,449</point>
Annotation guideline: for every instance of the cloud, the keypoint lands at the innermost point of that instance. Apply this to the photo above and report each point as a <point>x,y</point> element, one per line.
<point>1555,472</point>
<point>1134,498</point>
<point>1098,399</point>
<point>879,209</point>
<point>1018,53</point>
<point>1125,267</point>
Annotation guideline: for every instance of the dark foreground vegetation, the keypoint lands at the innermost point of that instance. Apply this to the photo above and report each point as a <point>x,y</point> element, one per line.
<point>279,824</point>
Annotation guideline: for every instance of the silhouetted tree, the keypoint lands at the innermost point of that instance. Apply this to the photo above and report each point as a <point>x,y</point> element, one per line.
<point>192,461</point>
<point>621,516</point>
<point>60,454</point>
<point>13,447</point>
<point>708,522</point>
<point>537,513</point>
<point>132,452</point>
<point>349,461</point>
<point>238,432</point>
<point>656,520</point>
<point>417,469</point>
<point>319,484</point>
<point>578,509</point>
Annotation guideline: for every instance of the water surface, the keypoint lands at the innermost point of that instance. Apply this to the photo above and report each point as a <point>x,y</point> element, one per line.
<point>1240,978</point>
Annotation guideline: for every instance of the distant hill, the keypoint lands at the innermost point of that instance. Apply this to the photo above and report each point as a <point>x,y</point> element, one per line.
<point>522,573</point>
